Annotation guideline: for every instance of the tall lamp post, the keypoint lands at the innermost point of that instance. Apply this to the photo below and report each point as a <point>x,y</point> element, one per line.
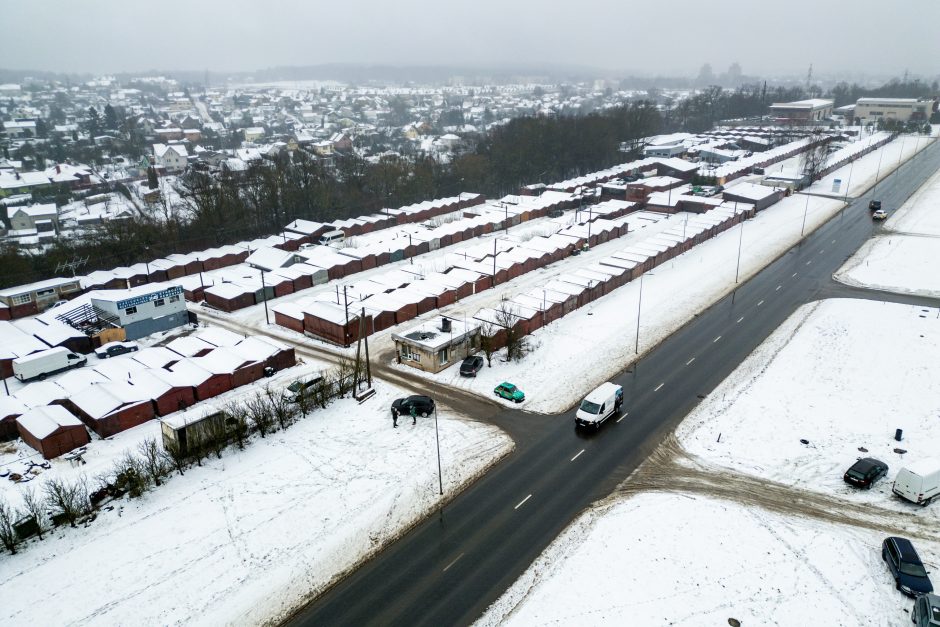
<point>805,211</point>
<point>437,439</point>
<point>264,294</point>
<point>737,271</point>
<point>639,305</point>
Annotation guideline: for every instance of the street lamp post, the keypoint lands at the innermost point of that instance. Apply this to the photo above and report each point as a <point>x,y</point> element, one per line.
<point>901,154</point>
<point>737,271</point>
<point>437,438</point>
<point>264,294</point>
<point>805,211</point>
<point>639,305</point>
<point>881,153</point>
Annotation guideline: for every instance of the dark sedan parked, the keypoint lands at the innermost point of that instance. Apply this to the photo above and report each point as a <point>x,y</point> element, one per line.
<point>865,472</point>
<point>910,576</point>
<point>471,366</point>
<point>423,405</point>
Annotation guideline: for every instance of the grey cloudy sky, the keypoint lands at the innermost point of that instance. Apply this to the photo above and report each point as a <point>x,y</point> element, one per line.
<point>647,37</point>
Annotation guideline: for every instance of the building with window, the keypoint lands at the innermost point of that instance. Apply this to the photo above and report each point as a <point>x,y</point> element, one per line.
<point>436,345</point>
<point>26,300</point>
<point>801,111</point>
<point>144,309</point>
<point>902,109</point>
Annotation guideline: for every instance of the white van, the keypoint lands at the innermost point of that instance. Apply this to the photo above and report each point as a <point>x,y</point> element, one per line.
<point>332,237</point>
<point>602,403</point>
<point>919,482</point>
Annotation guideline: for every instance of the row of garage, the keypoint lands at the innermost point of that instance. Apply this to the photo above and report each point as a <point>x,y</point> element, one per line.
<point>570,291</point>
<point>124,392</point>
<point>380,302</point>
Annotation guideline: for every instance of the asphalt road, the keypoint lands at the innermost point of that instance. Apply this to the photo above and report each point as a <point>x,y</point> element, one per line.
<point>448,569</point>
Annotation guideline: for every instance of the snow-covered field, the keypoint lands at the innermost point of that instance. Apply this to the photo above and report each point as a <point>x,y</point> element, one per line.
<point>842,374</point>
<point>246,538</point>
<point>903,257</point>
<point>674,559</point>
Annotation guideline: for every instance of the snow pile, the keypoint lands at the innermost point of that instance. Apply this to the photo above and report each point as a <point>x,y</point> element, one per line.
<point>699,561</point>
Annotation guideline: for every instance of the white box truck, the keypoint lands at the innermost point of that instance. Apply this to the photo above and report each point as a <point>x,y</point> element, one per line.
<point>42,364</point>
<point>919,482</point>
<point>602,403</point>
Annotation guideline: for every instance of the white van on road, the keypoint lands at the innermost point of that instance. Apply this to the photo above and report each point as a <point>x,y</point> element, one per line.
<point>919,482</point>
<point>602,403</point>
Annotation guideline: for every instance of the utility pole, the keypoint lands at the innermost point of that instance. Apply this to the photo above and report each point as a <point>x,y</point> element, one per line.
<point>437,438</point>
<point>264,293</point>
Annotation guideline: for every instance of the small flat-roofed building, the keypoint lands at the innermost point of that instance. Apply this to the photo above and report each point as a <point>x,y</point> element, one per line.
<point>801,111</point>
<point>10,408</point>
<point>109,408</point>
<point>437,344</point>
<point>145,309</point>
<point>52,430</point>
<point>26,300</point>
<point>180,429</point>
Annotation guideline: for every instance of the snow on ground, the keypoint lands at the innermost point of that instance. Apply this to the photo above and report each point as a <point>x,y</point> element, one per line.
<point>246,538</point>
<point>701,561</point>
<point>842,374</point>
<point>903,257</point>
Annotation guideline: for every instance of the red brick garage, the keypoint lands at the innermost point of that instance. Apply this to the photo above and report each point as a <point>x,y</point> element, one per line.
<point>52,430</point>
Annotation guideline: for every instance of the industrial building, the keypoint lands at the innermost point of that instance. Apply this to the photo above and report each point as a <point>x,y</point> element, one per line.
<point>901,109</point>
<point>801,111</point>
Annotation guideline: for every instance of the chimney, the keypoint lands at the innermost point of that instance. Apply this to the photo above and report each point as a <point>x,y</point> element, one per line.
<point>445,325</point>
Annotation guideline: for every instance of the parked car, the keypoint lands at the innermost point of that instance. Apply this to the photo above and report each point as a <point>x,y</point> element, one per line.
<point>879,214</point>
<point>471,366</point>
<point>910,576</point>
<point>510,392</point>
<point>302,388</point>
<point>926,612</point>
<point>113,349</point>
<point>865,472</point>
<point>423,405</point>
<point>874,205</point>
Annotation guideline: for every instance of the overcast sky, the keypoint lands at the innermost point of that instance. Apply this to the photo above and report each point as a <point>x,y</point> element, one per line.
<point>642,37</point>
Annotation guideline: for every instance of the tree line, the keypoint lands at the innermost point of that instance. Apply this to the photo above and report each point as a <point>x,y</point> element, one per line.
<point>217,210</point>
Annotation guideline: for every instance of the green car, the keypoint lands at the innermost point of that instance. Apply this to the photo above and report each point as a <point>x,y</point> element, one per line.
<point>510,392</point>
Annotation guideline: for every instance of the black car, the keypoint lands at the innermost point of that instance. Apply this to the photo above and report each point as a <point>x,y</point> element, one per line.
<point>865,472</point>
<point>874,205</point>
<point>471,366</point>
<point>910,576</point>
<point>113,349</point>
<point>423,405</point>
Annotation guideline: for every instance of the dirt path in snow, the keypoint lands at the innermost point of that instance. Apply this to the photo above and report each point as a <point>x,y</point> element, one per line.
<point>671,469</point>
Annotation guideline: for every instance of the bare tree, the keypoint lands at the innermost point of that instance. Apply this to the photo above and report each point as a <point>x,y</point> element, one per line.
<point>516,343</point>
<point>7,532</point>
<point>813,160</point>
<point>304,401</point>
<point>196,446</point>
<point>153,461</point>
<point>130,475</point>
<point>283,409</point>
<point>323,391</point>
<point>175,456</point>
<point>36,508</point>
<point>237,422</point>
<point>343,375</point>
<point>70,499</point>
<point>260,413</point>
<point>488,341</point>
<point>217,435</point>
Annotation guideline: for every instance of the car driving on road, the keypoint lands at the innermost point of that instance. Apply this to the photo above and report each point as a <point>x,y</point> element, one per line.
<point>874,205</point>
<point>423,405</point>
<point>879,214</point>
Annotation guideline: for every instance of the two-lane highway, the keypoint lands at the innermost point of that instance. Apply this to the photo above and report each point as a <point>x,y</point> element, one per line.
<point>450,567</point>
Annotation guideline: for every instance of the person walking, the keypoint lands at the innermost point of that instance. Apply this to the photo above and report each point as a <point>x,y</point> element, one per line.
<point>394,417</point>
<point>414,414</point>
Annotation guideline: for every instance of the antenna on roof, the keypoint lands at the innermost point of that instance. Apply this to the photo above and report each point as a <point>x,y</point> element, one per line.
<point>72,265</point>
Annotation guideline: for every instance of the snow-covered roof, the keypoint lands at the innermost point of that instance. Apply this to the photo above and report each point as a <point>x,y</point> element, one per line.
<point>43,421</point>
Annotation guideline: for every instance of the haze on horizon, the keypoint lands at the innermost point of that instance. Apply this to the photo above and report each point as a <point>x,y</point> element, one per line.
<point>675,38</point>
